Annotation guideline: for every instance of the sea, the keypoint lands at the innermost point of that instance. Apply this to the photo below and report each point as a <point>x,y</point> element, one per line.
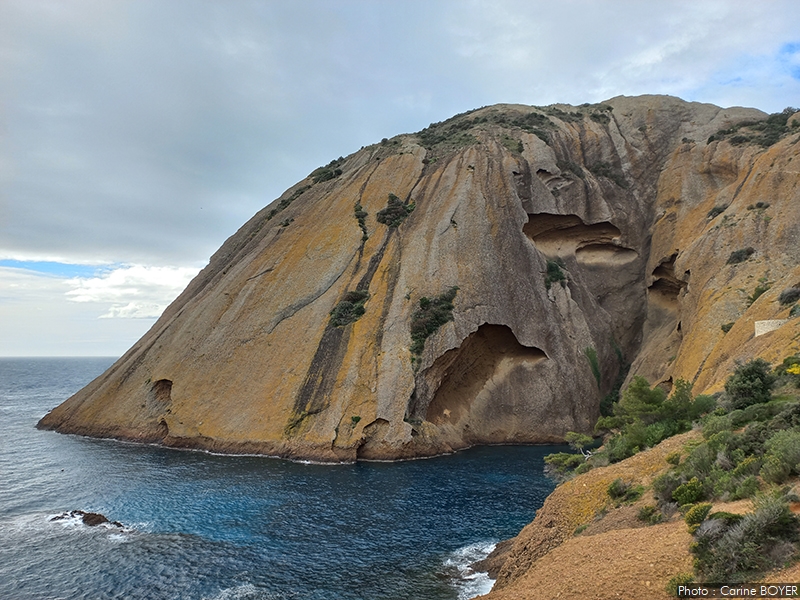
<point>194,525</point>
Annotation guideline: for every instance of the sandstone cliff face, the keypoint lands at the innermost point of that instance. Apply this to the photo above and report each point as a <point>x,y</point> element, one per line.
<point>579,241</point>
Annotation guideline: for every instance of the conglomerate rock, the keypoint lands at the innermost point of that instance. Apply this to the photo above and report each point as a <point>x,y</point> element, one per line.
<point>581,240</point>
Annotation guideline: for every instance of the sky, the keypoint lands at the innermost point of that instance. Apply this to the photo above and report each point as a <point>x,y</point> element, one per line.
<point>137,135</point>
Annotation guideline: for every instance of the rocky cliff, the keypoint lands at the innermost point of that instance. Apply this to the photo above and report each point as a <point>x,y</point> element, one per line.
<point>487,280</point>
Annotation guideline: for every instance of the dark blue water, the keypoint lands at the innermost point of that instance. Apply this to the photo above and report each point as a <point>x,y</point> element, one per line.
<point>217,527</point>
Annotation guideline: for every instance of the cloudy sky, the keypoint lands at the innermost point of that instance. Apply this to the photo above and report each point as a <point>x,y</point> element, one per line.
<point>137,135</point>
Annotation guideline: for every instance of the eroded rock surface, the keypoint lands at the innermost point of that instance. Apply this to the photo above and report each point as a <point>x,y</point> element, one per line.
<point>580,241</point>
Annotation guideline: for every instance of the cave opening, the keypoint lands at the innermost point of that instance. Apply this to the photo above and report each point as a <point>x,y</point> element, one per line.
<point>477,367</point>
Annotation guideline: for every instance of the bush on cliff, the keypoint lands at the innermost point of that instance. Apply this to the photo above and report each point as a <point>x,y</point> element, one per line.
<point>750,384</point>
<point>395,212</point>
<point>431,314</point>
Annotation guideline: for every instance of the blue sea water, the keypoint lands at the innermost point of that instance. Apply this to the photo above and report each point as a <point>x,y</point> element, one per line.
<point>201,526</point>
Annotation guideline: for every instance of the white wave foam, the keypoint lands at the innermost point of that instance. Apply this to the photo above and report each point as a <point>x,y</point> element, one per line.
<point>469,583</point>
<point>246,591</point>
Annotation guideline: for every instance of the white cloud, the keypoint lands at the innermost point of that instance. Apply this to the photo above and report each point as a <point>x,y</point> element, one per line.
<point>132,291</point>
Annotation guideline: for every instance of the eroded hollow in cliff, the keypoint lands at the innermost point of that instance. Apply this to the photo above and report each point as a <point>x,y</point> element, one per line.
<point>482,361</point>
<point>560,235</point>
<point>666,286</point>
<point>159,398</point>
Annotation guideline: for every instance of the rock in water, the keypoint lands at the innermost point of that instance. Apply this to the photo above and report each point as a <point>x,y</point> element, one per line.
<point>487,280</point>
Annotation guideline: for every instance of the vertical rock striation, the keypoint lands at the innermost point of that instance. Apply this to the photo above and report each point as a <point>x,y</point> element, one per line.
<point>580,242</point>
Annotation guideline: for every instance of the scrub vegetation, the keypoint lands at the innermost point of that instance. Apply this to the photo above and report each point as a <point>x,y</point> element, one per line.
<point>750,449</point>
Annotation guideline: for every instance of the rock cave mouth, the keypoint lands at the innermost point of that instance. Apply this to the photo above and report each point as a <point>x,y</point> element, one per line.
<point>666,286</point>
<point>485,357</point>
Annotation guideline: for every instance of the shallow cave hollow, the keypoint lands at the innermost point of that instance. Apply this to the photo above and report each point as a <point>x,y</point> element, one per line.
<point>486,356</point>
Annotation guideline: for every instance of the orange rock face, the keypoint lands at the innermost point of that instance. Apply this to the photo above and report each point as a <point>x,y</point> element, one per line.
<point>580,241</point>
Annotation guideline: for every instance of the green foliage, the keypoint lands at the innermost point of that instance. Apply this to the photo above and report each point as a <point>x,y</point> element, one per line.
<point>726,327</point>
<point>741,255</point>
<point>450,134</point>
<point>624,492</point>
<point>673,458</point>
<point>600,117</point>
<point>514,145</point>
<point>328,172</point>
<point>735,550</point>
<point>782,456</point>
<point>591,356</point>
<point>287,201</point>
<point>750,384</point>
<point>644,417</point>
<point>696,515</point>
<point>763,132</point>
<point>431,314</point>
<point>664,486</point>
<point>554,274</point>
<point>561,463</point>
<point>395,212</point>
<point>716,211</point>
<point>355,419</point>
<point>608,401</point>
<point>689,492</point>
<point>361,216</point>
<point>578,441</point>
<point>758,206</point>
<point>350,309</point>
<point>762,287</point>
<point>795,312</point>
<point>567,117</point>
<point>650,514</point>
<point>603,169</point>
<point>641,402</point>
<point>789,296</point>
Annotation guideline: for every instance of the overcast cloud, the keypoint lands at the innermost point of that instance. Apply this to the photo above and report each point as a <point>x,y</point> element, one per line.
<point>135,136</point>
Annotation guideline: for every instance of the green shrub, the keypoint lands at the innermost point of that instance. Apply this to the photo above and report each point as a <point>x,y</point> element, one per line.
<point>789,296</point>
<point>757,292</point>
<point>750,383</point>
<point>696,515</point>
<point>758,206</point>
<point>650,514</point>
<point>689,492</point>
<point>716,211</point>
<point>554,274</point>
<point>395,212</point>
<point>673,458</point>
<point>732,550</point>
<point>287,201</point>
<point>621,491</point>
<point>328,172</point>
<point>782,455</point>
<point>355,419</point>
<point>514,145</point>
<point>361,216</point>
<point>795,312</point>
<point>431,314</point>
<point>639,401</point>
<point>350,309</point>
<point>561,463</point>
<point>664,486</point>
<point>741,255</point>
<point>726,327</point>
<point>591,356</point>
